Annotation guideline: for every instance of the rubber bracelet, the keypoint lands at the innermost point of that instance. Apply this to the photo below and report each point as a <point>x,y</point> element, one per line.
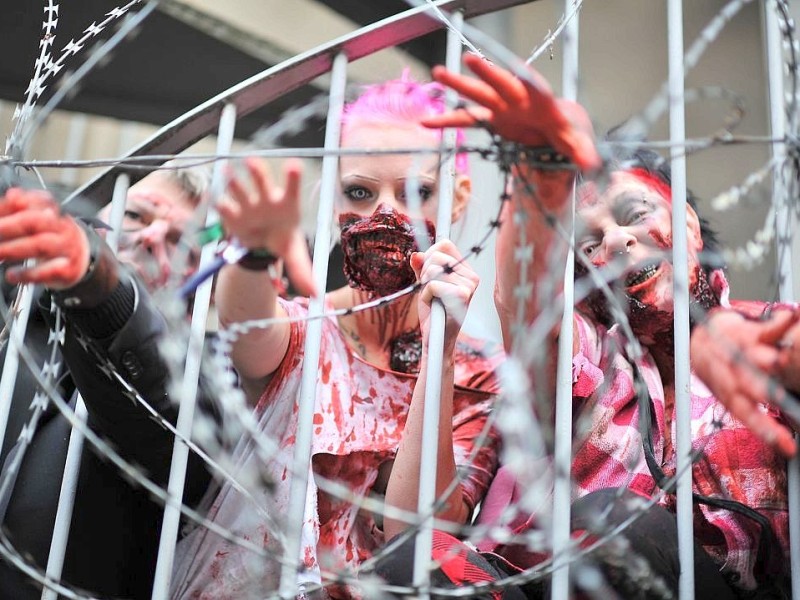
<point>258,259</point>
<point>545,156</point>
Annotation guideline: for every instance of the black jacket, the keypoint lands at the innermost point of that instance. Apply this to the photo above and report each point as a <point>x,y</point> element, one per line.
<point>115,526</point>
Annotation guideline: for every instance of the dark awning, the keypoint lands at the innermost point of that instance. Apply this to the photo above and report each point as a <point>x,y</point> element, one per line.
<point>165,70</point>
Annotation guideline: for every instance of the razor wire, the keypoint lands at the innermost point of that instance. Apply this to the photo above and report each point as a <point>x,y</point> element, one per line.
<point>512,402</point>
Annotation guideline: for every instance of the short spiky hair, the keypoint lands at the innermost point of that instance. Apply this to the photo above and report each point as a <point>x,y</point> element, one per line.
<point>402,100</point>
<point>193,181</point>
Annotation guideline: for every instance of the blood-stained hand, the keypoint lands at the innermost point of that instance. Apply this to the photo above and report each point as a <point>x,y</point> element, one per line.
<point>444,276</point>
<point>260,215</point>
<point>519,110</point>
<point>32,227</point>
<point>788,369</point>
<point>743,362</point>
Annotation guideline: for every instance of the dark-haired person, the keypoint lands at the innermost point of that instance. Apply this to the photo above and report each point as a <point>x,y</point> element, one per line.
<point>624,225</point>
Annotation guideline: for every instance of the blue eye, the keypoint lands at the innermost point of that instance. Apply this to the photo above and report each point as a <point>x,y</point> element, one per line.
<point>357,193</point>
<point>425,193</point>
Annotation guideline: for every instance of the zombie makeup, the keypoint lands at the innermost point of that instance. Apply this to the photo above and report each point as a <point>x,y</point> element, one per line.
<point>653,182</point>
<point>643,228</point>
<point>377,250</point>
<point>405,352</point>
<point>645,319</point>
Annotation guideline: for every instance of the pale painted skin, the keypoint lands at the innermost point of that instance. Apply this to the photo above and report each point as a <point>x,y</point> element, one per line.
<point>261,215</point>
<point>157,212</point>
<point>630,225</point>
<point>369,180</point>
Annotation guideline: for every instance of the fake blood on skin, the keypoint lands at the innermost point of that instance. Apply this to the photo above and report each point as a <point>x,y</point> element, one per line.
<point>377,251</point>
<point>642,314</point>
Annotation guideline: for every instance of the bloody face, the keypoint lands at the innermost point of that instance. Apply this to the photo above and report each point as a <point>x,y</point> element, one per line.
<point>157,211</point>
<point>377,250</point>
<point>628,227</point>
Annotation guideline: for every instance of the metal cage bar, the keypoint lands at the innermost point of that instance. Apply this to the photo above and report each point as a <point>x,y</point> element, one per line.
<point>191,377</point>
<point>783,228</point>
<point>433,383</point>
<point>69,484</point>
<point>683,446</point>
<point>301,463</point>
<point>16,336</point>
<point>562,453</point>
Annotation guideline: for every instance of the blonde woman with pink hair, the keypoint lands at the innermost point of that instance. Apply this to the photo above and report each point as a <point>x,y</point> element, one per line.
<point>373,365</point>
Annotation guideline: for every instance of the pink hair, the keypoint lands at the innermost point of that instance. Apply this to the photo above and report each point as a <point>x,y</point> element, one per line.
<point>404,100</point>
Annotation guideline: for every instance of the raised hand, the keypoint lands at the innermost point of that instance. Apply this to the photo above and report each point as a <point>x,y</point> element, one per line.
<point>447,278</point>
<point>32,227</point>
<point>260,215</point>
<point>741,362</point>
<point>518,110</point>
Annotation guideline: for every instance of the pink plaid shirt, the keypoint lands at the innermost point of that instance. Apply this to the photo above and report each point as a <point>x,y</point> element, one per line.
<point>733,463</point>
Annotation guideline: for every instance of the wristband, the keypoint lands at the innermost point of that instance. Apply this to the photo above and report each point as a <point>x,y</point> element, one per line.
<point>543,157</point>
<point>258,259</point>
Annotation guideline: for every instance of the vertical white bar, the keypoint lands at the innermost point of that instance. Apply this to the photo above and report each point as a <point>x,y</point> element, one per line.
<point>11,365</point>
<point>118,201</point>
<point>683,445</point>
<point>66,502</point>
<point>69,483</point>
<point>191,375</point>
<point>298,490</point>
<point>433,384</point>
<point>783,235</point>
<point>78,125</point>
<point>562,453</point>
<point>777,120</point>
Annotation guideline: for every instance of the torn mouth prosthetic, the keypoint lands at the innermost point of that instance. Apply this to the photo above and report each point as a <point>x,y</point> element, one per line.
<point>377,250</point>
<point>641,299</point>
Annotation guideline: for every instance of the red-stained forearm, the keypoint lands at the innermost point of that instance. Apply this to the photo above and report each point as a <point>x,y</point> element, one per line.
<point>541,197</point>
<point>403,488</point>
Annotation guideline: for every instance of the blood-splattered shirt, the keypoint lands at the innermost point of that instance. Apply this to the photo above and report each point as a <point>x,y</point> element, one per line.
<point>732,464</point>
<point>359,416</point>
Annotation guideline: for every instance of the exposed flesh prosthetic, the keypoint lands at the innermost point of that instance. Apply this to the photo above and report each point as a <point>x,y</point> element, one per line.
<point>377,250</point>
<point>645,319</point>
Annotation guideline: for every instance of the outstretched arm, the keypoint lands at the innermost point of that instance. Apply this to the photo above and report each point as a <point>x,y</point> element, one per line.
<point>261,216</point>
<point>748,364</point>
<point>454,287</point>
<point>106,305</point>
<point>527,112</point>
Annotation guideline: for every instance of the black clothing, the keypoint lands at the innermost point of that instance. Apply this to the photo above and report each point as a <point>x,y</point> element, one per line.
<point>653,537</point>
<point>115,525</point>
